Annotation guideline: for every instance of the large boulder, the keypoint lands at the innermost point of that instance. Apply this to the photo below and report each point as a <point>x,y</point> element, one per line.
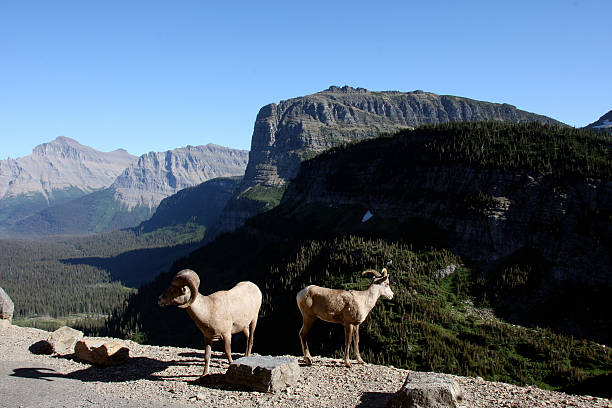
<point>7,307</point>
<point>102,354</point>
<point>427,390</point>
<point>264,373</point>
<point>62,340</point>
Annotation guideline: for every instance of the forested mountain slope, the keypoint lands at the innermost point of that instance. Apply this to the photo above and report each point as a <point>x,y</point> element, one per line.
<point>473,215</point>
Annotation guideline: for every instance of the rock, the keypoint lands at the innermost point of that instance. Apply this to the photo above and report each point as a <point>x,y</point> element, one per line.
<point>106,354</point>
<point>62,340</point>
<point>445,272</point>
<point>264,373</point>
<point>427,390</point>
<point>7,307</point>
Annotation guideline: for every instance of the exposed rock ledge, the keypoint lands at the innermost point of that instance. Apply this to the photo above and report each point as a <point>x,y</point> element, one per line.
<point>163,376</point>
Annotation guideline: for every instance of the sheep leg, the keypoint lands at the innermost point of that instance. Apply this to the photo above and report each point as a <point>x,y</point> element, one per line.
<point>356,344</point>
<point>206,360</point>
<point>227,343</point>
<point>306,325</point>
<point>250,336</point>
<point>348,337</point>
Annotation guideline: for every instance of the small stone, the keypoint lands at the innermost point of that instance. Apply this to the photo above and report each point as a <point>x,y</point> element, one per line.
<point>62,340</point>
<point>7,307</point>
<point>264,373</point>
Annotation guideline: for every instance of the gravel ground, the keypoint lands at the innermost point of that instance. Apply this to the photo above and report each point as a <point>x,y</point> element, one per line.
<point>160,376</point>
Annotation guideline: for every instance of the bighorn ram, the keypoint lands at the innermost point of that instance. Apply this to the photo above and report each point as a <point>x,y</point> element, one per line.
<point>346,307</point>
<point>219,315</point>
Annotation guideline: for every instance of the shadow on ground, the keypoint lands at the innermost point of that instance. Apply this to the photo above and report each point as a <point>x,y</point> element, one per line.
<point>137,368</point>
<point>374,399</point>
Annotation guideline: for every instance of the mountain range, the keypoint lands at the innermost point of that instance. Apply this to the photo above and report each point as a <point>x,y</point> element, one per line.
<point>128,194</point>
<point>55,172</point>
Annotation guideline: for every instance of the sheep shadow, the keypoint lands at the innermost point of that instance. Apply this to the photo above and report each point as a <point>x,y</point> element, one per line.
<point>136,368</point>
<point>139,368</point>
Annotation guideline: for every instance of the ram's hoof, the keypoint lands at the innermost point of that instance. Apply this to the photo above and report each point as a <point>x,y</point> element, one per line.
<point>307,361</point>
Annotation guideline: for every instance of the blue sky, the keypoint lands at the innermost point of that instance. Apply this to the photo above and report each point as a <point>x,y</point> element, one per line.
<point>156,75</point>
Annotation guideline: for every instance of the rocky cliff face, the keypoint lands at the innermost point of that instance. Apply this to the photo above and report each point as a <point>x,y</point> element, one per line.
<point>299,128</point>
<point>155,176</point>
<point>55,172</point>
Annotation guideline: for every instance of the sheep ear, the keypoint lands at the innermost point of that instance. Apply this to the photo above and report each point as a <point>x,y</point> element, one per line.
<point>384,272</point>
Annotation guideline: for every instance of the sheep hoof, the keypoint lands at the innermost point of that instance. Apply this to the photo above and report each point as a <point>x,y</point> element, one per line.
<point>360,361</point>
<point>307,360</point>
<point>347,364</point>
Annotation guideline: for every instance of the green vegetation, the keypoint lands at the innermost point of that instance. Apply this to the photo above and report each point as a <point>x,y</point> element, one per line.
<point>57,278</point>
<point>13,209</point>
<point>544,149</point>
<point>271,196</point>
<point>431,323</point>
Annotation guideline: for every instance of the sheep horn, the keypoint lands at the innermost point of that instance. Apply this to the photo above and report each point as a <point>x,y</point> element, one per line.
<point>375,274</point>
<point>188,278</point>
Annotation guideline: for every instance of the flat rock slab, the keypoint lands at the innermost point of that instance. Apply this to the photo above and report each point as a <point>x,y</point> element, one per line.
<point>427,390</point>
<point>101,354</point>
<point>264,373</point>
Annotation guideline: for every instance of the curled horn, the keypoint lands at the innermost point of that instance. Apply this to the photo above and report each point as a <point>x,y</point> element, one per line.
<point>188,278</point>
<point>375,274</point>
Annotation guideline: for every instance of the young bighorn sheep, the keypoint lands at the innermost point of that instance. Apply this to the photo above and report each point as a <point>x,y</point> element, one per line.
<point>219,315</point>
<point>346,307</point>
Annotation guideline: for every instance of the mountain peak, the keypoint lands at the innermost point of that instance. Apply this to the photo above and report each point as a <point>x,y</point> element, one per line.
<point>344,89</point>
<point>603,123</point>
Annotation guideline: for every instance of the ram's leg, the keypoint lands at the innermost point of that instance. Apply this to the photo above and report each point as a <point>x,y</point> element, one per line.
<point>206,360</point>
<point>348,336</point>
<point>227,343</point>
<point>356,344</point>
<point>251,335</point>
<point>306,325</point>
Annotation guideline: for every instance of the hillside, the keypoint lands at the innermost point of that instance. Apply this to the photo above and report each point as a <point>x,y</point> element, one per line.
<point>291,131</point>
<point>467,212</point>
<point>54,173</point>
<point>603,124</point>
<point>163,376</point>
<point>135,194</point>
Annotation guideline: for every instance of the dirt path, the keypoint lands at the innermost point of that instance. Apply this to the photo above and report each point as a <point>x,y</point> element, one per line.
<point>164,376</point>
